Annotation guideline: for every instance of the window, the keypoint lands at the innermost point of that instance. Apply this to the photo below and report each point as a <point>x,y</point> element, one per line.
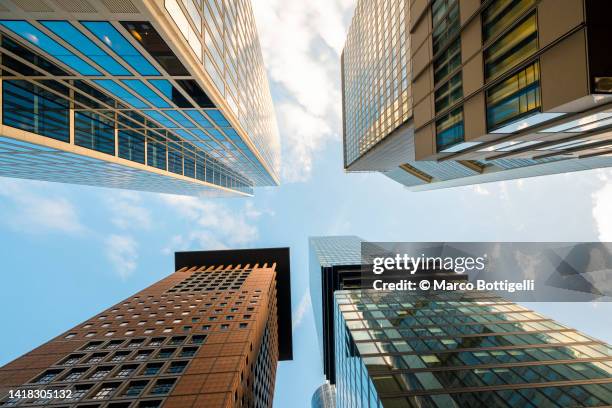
<point>114,344</point>
<point>135,343</point>
<point>119,356</point>
<point>100,373</point>
<point>198,339</point>
<point>132,146</point>
<point>244,325</point>
<point>188,351</point>
<point>47,376</point>
<point>176,367</point>
<point>94,131</point>
<point>135,388</point>
<point>156,341</point>
<point>34,109</point>
<point>512,48</point>
<point>224,326</point>
<point>449,129</point>
<point>165,353</point>
<point>80,391</point>
<point>72,359</point>
<point>142,355</point>
<point>162,386</point>
<point>176,340</point>
<point>105,391</point>
<point>514,98</point>
<point>501,14</point>
<point>152,368</point>
<point>445,15</point>
<point>125,371</point>
<point>74,374</point>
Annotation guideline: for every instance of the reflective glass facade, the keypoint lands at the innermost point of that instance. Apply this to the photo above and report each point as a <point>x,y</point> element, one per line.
<point>130,90</point>
<point>407,349</point>
<point>375,75</point>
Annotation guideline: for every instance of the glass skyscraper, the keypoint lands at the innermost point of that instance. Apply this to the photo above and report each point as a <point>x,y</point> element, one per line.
<point>167,95</point>
<point>403,349</point>
<point>406,349</point>
<point>448,93</point>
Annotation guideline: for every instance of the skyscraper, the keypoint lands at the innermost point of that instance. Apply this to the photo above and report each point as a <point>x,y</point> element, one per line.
<point>402,349</point>
<point>447,93</point>
<point>324,396</point>
<point>167,95</point>
<point>209,335</point>
<point>452,349</point>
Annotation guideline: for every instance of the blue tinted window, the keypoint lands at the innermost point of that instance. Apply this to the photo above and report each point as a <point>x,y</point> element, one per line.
<point>120,93</point>
<point>218,118</point>
<point>131,146</point>
<point>160,119</point>
<point>33,35</point>
<point>28,107</point>
<point>184,134</point>
<point>147,93</point>
<point>180,118</point>
<point>68,32</point>
<point>201,134</point>
<point>170,92</point>
<point>115,41</point>
<point>94,132</point>
<point>199,118</point>
<point>175,161</point>
<point>156,154</point>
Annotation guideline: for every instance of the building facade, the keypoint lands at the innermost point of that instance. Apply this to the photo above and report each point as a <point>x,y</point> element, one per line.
<point>453,92</point>
<point>167,95</point>
<point>208,335</point>
<point>408,349</point>
<point>404,349</point>
<point>324,396</point>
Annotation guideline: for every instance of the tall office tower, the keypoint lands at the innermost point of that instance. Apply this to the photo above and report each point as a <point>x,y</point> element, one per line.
<point>334,263</point>
<point>407,349</point>
<point>455,92</point>
<point>428,349</point>
<point>209,335</point>
<point>156,95</point>
<point>324,396</point>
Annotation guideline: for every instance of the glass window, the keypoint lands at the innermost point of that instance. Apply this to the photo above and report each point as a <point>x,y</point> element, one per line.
<point>156,152</point>
<point>511,48</point>
<point>152,368</point>
<point>33,109</point>
<point>515,97</point>
<point>134,388</point>
<point>109,35</point>
<point>95,132</point>
<point>33,35</point>
<point>163,386</point>
<point>501,14</point>
<point>449,129</point>
<point>177,367</point>
<point>64,29</point>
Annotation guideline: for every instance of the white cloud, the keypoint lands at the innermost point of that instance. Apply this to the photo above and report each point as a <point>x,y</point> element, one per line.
<point>602,209</point>
<point>33,209</point>
<point>122,252</point>
<point>215,225</point>
<point>305,63</point>
<point>127,211</point>
<point>302,309</point>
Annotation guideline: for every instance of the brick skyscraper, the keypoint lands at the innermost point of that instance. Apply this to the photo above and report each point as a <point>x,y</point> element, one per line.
<point>209,335</point>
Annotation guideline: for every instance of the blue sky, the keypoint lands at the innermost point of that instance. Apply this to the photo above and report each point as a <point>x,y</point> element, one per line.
<point>70,251</point>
